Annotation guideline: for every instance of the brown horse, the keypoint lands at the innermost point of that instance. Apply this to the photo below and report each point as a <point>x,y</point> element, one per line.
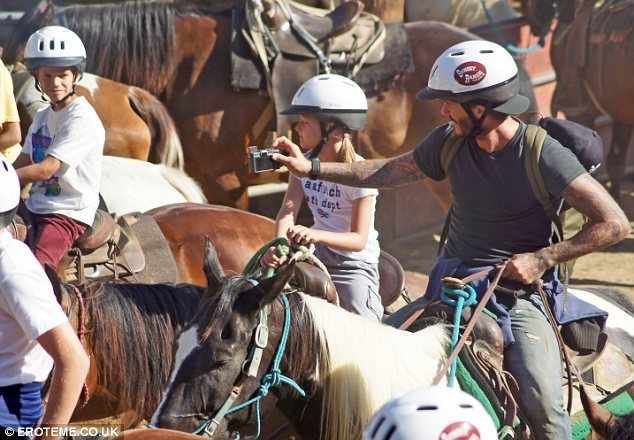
<point>137,124</point>
<point>236,234</point>
<point>129,328</point>
<point>591,54</point>
<point>183,56</point>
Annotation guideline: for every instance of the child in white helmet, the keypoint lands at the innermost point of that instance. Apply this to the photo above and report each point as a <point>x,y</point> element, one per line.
<point>435,413</point>
<point>34,332</point>
<point>63,148</point>
<point>330,108</point>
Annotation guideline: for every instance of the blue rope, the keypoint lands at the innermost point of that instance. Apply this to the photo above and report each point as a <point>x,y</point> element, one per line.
<point>458,298</point>
<point>510,46</point>
<point>274,377</point>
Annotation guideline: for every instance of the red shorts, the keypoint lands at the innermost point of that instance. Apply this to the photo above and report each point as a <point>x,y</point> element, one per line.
<point>51,236</point>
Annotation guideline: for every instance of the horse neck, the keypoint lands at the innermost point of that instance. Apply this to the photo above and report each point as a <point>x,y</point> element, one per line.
<point>132,328</point>
<point>301,361</point>
<point>355,357</point>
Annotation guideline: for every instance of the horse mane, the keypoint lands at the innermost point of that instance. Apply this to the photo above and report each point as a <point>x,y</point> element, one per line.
<point>368,364</point>
<point>148,319</point>
<point>130,42</point>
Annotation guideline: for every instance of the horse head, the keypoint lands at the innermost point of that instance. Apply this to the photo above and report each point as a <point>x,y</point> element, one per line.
<point>213,355</point>
<point>540,15</point>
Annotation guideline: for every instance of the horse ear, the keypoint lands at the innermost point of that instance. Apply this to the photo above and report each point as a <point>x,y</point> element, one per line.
<point>598,416</point>
<point>213,270</point>
<point>266,292</point>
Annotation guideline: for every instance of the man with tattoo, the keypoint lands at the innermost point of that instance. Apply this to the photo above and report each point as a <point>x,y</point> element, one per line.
<point>496,216</point>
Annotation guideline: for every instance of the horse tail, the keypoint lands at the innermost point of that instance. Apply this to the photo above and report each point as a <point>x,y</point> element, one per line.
<point>166,146</point>
<point>184,184</point>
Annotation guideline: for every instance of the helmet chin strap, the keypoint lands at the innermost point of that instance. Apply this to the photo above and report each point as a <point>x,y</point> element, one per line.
<point>59,101</point>
<point>476,123</point>
<point>324,129</point>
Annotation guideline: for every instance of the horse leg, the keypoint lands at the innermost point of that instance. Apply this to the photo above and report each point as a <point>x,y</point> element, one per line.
<point>615,161</point>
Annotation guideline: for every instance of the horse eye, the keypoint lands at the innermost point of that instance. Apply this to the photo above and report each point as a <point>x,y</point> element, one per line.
<point>227,332</point>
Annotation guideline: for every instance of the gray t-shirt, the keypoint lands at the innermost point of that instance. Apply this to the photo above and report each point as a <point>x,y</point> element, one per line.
<point>495,213</point>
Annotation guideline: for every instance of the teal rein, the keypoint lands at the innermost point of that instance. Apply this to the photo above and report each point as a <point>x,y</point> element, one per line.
<point>459,299</point>
<point>274,377</point>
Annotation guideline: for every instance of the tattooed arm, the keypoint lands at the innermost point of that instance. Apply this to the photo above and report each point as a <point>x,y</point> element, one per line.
<point>375,173</point>
<point>607,225</point>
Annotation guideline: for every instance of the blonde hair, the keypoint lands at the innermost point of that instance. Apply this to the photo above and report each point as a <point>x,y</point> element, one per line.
<point>347,152</point>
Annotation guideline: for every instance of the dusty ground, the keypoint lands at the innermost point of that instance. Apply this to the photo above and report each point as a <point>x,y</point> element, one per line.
<point>613,267</point>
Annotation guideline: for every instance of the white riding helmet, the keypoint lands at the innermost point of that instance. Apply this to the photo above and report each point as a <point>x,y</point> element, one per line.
<point>55,46</point>
<point>9,192</point>
<point>434,413</point>
<point>329,97</point>
<point>477,70</point>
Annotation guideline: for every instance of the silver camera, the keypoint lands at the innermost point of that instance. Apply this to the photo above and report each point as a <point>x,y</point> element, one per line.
<point>262,160</point>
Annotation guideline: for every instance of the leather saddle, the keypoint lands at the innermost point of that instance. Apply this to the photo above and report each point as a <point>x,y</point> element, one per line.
<point>344,36</point>
<point>333,23</point>
<point>312,280</point>
<point>107,249</point>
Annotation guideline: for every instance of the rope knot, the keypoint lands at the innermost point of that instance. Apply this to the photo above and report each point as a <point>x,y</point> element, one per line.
<point>453,296</point>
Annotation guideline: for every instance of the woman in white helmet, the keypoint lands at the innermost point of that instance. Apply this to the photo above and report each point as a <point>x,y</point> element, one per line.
<point>63,148</point>
<point>435,413</point>
<point>329,109</point>
<point>34,332</point>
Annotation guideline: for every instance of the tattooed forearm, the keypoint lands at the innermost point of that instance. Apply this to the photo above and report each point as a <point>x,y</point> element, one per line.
<point>607,223</point>
<point>376,173</point>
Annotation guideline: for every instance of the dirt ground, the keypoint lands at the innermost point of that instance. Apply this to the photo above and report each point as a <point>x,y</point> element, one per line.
<point>613,267</point>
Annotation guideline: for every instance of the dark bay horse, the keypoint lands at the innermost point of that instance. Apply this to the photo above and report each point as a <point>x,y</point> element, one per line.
<point>129,328</point>
<point>183,56</point>
<point>347,366</point>
<point>591,54</point>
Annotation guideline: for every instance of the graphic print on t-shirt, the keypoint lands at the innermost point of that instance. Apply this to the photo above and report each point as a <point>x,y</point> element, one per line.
<point>40,141</point>
<point>324,199</point>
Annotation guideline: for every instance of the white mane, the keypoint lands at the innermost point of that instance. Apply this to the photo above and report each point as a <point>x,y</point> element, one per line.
<point>369,364</point>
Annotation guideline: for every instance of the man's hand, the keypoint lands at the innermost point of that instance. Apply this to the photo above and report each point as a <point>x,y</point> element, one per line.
<point>525,268</point>
<point>296,163</point>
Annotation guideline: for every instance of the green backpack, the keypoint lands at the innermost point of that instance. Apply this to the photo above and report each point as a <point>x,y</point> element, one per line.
<point>534,138</point>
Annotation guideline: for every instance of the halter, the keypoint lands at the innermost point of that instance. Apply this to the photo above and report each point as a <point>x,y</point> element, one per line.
<point>271,379</point>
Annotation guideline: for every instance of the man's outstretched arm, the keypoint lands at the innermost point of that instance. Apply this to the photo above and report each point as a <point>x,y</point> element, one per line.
<point>375,173</point>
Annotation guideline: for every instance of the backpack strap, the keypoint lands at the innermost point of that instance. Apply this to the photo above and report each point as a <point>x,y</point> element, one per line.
<point>533,143</point>
<point>534,139</point>
<point>448,151</point>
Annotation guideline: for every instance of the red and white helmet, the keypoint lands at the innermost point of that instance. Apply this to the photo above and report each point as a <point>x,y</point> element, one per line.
<point>55,46</point>
<point>10,192</point>
<point>435,413</point>
<point>477,71</point>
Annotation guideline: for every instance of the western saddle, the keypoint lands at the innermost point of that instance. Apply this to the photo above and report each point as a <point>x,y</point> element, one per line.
<point>107,249</point>
<point>346,38</point>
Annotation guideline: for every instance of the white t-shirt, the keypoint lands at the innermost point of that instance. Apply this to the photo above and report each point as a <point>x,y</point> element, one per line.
<point>331,205</point>
<point>28,309</point>
<point>76,137</point>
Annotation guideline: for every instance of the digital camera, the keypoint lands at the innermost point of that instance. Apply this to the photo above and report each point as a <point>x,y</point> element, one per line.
<point>261,160</point>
